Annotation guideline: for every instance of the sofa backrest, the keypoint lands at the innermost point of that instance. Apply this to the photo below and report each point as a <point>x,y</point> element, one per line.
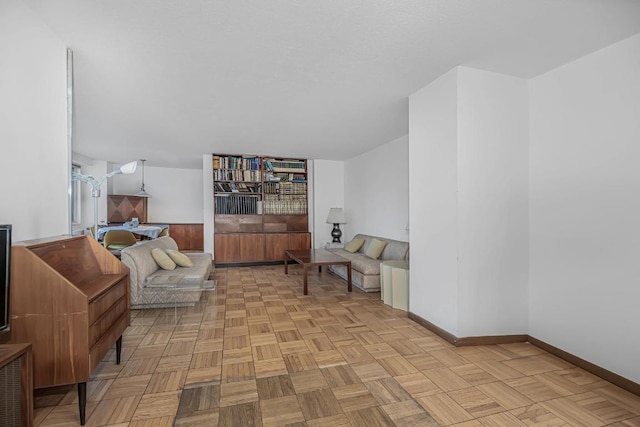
<point>394,249</point>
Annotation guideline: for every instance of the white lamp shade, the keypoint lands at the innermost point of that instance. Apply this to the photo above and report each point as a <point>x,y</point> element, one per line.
<point>129,168</point>
<point>336,216</point>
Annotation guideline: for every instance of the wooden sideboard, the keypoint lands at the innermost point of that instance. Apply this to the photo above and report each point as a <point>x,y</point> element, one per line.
<point>70,300</point>
<point>122,208</point>
<point>231,248</point>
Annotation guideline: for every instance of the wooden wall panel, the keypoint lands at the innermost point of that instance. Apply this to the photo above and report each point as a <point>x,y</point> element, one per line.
<point>189,237</point>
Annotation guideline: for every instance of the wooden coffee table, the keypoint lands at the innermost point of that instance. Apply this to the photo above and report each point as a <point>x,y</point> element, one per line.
<point>315,257</point>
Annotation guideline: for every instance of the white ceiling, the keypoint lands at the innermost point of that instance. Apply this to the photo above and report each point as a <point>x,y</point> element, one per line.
<point>169,80</point>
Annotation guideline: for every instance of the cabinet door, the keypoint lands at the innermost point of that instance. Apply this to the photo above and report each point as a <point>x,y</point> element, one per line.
<point>226,248</point>
<point>275,245</point>
<point>299,241</point>
<point>251,247</point>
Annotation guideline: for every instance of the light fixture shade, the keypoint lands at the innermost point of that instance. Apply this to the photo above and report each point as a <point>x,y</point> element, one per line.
<point>129,168</point>
<point>336,216</point>
<point>142,192</point>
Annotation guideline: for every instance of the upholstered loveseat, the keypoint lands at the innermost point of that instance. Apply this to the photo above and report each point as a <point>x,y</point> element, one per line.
<point>144,272</point>
<point>365,271</point>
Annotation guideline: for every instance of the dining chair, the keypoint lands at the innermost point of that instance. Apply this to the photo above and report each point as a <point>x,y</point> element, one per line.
<point>116,240</point>
<point>164,232</point>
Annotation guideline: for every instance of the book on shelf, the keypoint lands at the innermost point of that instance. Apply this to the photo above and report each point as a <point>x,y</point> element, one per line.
<point>248,162</point>
<point>240,187</point>
<point>285,188</point>
<point>285,207</point>
<point>237,175</point>
<point>294,166</point>
<point>231,204</point>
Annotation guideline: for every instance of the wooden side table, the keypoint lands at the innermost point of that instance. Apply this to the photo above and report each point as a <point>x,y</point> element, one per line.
<point>394,284</point>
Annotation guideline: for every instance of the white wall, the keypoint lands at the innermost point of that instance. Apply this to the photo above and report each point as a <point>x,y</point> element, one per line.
<point>433,202</point>
<point>377,192</point>
<point>493,208</point>
<point>468,173</point>
<point>328,192</point>
<point>585,206</point>
<point>34,164</point>
<point>176,194</point>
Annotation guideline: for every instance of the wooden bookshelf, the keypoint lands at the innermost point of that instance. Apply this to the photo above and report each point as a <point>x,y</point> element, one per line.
<point>260,208</point>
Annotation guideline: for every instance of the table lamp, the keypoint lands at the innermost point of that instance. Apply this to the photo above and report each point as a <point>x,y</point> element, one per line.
<point>336,217</point>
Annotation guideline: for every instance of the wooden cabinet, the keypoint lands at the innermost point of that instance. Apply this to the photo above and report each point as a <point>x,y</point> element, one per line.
<point>258,202</point>
<point>232,248</point>
<point>124,208</point>
<point>277,243</point>
<point>70,300</point>
<point>227,248</point>
<point>251,247</point>
<point>16,390</point>
<point>299,241</point>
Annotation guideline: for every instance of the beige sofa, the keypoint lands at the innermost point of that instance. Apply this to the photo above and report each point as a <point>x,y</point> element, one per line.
<point>145,271</point>
<point>365,272</point>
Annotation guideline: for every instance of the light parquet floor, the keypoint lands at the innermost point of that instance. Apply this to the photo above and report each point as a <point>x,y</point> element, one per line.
<point>259,353</point>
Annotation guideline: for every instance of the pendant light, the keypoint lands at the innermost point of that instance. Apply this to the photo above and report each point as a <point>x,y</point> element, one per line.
<point>142,192</point>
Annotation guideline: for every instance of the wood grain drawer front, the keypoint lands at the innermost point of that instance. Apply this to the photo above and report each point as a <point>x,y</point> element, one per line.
<point>104,344</point>
<point>103,303</point>
<point>103,324</point>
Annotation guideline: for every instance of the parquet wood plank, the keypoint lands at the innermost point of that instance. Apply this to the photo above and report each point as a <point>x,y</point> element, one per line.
<point>308,380</point>
<point>319,403</point>
<point>409,413</point>
<point>281,411</point>
<point>157,406</point>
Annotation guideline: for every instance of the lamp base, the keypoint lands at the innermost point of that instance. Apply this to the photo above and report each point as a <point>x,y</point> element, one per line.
<point>336,233</point>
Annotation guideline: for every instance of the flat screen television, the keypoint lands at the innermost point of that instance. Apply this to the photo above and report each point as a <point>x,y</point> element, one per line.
<point>5,275</point>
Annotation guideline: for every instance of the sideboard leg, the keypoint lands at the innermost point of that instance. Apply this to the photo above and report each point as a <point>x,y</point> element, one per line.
<point>82,401</point>
<point>118,350</point>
